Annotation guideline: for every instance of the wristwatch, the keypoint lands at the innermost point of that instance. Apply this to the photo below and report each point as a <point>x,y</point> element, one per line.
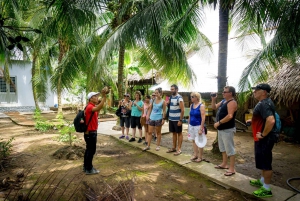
<point>262,135</point>
<point>180,120</point>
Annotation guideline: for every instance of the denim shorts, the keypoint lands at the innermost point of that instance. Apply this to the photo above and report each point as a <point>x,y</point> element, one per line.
<point>156,123</point>
<point>225,141</point>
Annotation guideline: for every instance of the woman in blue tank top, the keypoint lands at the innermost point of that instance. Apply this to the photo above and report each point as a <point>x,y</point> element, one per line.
<point>156,116</point>
<point>196,125</point>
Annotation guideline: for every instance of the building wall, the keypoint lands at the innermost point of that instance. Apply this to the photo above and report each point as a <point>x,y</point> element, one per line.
<point>23,95</point>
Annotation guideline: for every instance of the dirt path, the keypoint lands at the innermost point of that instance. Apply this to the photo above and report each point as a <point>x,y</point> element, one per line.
<point>286,157</point>
<point>154,177</point>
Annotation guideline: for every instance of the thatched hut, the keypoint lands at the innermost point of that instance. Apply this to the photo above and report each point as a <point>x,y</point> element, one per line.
<point>285,93</point>
<point>286,85</point>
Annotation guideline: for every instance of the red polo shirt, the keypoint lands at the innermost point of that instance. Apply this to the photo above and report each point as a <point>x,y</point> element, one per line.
<point>93,126</point>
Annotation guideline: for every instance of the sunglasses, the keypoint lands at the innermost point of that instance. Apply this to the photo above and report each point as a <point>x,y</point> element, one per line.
<point>126,96</point>
<point>192,96</point>
<point>224,92</point>
<point>153,95</point>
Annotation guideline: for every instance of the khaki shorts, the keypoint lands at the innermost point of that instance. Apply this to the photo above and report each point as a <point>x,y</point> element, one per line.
<point>225,141</point>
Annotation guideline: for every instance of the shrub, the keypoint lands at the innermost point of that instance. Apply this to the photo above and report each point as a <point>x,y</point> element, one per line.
<point>43,126</point>
<point>5,148</point>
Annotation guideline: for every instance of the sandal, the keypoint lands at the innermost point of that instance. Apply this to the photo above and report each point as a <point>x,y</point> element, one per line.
<point>146,148</point>
<point>171,150</point>
<point>194,158</point>
<point>177,153</point>
<point>157,148</point>
<point>220,167</point>
<point>198,160</point>
<point>229,173</point>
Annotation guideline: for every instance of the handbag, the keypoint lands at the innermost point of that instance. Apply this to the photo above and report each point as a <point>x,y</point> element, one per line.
<point>118,112</point>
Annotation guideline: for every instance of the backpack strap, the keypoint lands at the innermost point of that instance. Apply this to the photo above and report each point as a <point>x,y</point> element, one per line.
<point>87,126</point>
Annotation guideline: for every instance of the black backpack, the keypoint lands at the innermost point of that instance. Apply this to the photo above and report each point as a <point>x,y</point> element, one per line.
<point>80,126</point>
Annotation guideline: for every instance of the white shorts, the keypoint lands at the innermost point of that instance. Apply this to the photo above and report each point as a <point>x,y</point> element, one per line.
<point>193,131</point>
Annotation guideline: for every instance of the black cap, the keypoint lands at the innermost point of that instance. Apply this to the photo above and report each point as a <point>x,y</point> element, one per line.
<point>263,86</point>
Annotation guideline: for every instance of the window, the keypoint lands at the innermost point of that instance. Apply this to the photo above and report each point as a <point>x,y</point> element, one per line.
<point>4,86</point>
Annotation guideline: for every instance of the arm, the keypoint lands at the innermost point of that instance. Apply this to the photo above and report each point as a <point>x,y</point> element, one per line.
<point>202,111</point>
<point>215,105</point>
<point>130,105</point>
<point>140,108</point>
<point>164,112</point>
<point>190,112</point>
<point>100,106</point>
<point>149,111</point>
<point>231,108</point>
<point>181,105</point>
<point>270,121</point>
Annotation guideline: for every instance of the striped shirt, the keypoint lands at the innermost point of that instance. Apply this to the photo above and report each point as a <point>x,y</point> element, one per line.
<point>175,111</point>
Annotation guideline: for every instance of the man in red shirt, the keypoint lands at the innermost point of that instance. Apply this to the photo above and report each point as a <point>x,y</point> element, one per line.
<point>90,136</point>
<point>263,121</point>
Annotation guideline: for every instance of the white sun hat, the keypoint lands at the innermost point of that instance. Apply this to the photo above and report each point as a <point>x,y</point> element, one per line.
<point>201,140</point>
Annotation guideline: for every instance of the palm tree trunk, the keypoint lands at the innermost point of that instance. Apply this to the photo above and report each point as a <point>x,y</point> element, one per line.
<point>121,71</point>
<point>222,57</point>
<point>33,84</point>
<point>63,48</point>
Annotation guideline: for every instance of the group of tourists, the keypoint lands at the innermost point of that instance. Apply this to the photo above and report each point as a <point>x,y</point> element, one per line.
<point>151,113</point>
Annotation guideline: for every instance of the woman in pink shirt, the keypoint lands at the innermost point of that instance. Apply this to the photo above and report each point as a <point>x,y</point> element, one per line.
<point>144,122</point>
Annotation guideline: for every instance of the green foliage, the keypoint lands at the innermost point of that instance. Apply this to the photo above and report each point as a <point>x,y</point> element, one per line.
<point>37,114</point>
<point>43,126</point>
<point>60,116</point>
<point>66,134</point>
<point>5,148</point>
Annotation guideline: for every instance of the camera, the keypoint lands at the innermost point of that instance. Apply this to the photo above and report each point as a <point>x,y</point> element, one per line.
<point>213,95</point>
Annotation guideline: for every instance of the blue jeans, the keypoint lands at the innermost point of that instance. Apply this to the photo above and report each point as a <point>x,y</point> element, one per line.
<point>91,141</point>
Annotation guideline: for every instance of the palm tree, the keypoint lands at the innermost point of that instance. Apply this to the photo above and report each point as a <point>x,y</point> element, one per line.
<point>284,46</point>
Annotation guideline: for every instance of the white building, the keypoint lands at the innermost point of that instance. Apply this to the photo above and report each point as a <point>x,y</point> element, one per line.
<point>19,92</point>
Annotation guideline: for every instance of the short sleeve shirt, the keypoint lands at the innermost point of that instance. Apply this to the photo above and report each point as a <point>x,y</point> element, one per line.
<point>261,112</point>
<point>135,112</point>
<point>93,126</point>
<point>175,111</point>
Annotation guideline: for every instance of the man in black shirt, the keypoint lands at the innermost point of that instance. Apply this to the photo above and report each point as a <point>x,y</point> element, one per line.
<point>226,128</point>
<point>262,122</point>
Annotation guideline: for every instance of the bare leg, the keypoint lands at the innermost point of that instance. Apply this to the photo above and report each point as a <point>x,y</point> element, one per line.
<point>180,139</point>
<point>232,161</point>
<point>150,135</point>
<point>141,133</point>
<point>224,161</point>
<point>146,132</point>
<point>267,174</point>
<point>133,132</point>
<point>158,133</point>
<point>195,148</point>
<point>127,131</point>
<point>174,140</point>
<point>123,128</point>
<point>200,153</point>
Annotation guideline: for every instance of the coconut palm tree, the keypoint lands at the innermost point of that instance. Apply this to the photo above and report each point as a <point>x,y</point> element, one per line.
<point>284,26</point>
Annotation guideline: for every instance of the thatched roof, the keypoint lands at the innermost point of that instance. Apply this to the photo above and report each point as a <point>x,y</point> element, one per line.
<point>146,79</point>
<point>286,85</point>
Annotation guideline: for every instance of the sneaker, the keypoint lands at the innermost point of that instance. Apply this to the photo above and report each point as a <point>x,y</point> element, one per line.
<point>146,148</point>
<point>92,171</point>
<point>157,148</point>
<point>256,183</point>
<point>122,136</point>
<point>145,143</point>
<point>263,193</point>
<point>140,140</point>
<point>127,137</point>
<point>132,139</point>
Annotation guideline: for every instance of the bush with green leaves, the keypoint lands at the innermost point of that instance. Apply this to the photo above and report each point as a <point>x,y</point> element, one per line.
<point>43,125</point>
<point>66,134</point>
<point>37,114</point>
<point>5,148</point>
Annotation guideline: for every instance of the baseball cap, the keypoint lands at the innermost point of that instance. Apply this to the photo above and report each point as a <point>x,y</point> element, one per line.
<point>92,94</point>
<point>201,140</point>
<point>263,86</point>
